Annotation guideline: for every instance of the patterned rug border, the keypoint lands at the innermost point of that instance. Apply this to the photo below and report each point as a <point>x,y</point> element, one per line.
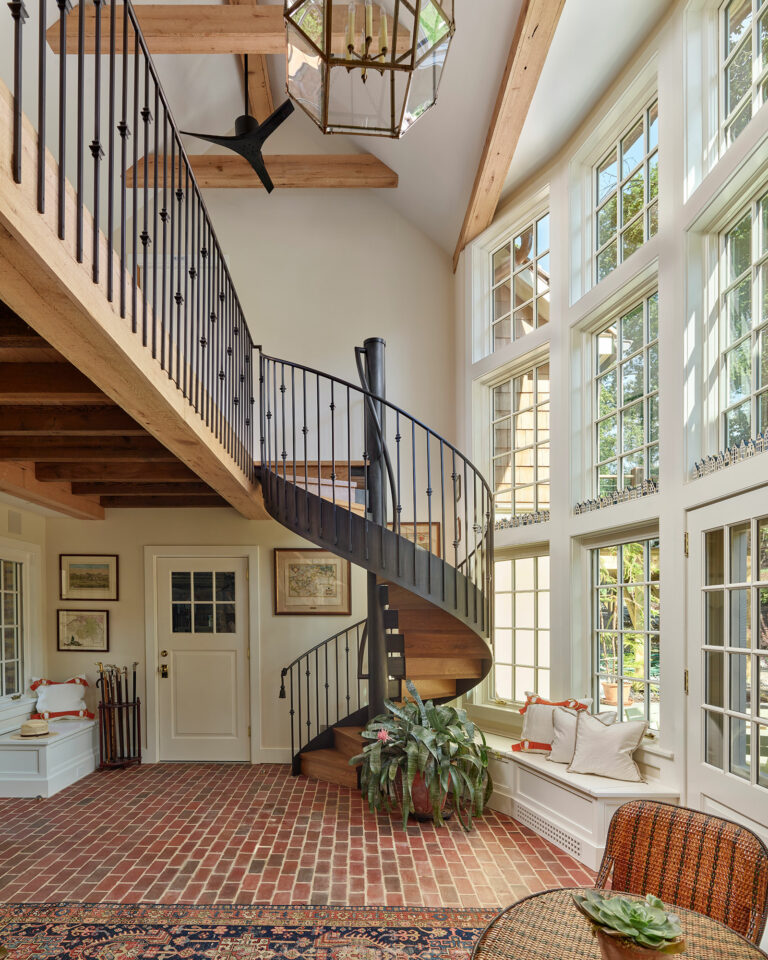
<point>243,914</point>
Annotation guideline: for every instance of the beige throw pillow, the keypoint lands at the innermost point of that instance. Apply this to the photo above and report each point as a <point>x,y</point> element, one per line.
<point>606,751</point>
<point>564,732</point>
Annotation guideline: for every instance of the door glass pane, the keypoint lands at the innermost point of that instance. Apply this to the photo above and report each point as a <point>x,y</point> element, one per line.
<point>203,618</point>
<point>740,682</point>
<point>740,747</point>
<point>714,612</point>
<point>762,619</point>
<point>740,553</point>
<point>762,686</point>
<point>203,584</point>
<point>225,618</point>
<point>715,563</point>
<point>181,585</point>
<point>762,743</point>
<point>713,738</point>
<point>181,617</point>
<point>740,627</point>
<point>713,671</point>
<point>225,586</point>
<point>762,549</point>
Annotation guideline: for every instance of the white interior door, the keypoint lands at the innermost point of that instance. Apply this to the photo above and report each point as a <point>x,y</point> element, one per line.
<point>202,644</point>
<point>728,659</point>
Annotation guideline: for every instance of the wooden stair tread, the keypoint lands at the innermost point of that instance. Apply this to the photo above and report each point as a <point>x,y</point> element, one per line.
<point>458,668</point>
<point>347,741</point>
<point>430,687</point>
<point>329,766</point>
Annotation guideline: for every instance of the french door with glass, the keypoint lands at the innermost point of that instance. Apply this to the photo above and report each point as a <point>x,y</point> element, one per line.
<point>728,659</point>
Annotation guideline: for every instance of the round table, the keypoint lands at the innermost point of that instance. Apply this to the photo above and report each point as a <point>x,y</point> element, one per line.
<point>547,926</point>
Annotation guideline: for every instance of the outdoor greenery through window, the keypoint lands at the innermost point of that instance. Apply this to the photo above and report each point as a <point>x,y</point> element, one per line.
<point>626,392</point>
<point>11,627</point>
<point>520,282</point>
<point>520,424</point>
<point>744,326</point>
<point>626,193</point>
<point>521,628</point>
<point>625,603</point>
<point>744,70</point>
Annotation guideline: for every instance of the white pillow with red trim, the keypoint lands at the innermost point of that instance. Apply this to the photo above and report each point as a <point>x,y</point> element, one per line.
<point>65,699</point>
<point>538,722</point>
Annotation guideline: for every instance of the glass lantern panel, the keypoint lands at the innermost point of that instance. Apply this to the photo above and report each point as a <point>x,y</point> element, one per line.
<point>304,73</point>
<point>308,17</point>
<point>433,27</point>
<point>425,80</point>
<point>371,105</point>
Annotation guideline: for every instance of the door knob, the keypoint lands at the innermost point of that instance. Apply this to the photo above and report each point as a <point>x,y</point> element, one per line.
<point>164,671</point>
<point>163,653</point>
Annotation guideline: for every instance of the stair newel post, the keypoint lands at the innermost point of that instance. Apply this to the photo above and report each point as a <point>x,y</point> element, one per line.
<point>375,374</point>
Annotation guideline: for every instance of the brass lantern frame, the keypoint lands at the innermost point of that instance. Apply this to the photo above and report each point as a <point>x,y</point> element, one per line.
<point>406,62</point>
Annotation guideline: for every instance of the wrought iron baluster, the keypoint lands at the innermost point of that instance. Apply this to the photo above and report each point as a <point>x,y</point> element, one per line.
<point>165,266</point>
<point>396,515</point>
<point>349,467</point>
<point>333,468</point>
<point>429,520</point>
<point>97,151</point>
<point>327,686</point>
<point>124,131</point>
<point>309,703</point>
<point>111,157</point>
<point>145,238</point>
<point>319,460</point>
<point>64,8</point>
<point>41,91</point>
<point>414,487</point>
<point>20,15</point>
<point>442,520</point>
<point>465,494</point>
<point>155,214</point>
<point>135,195</point>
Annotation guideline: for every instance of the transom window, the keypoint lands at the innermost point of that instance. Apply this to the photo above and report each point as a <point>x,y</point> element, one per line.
<point>744,63</point>
<point>735,649</point>
<point>626,193</point>
<point>744,326</point>
<point>520,424</point>
<point>11,629</point>
<point>625,617</point>
<point>203,601</point>
<point>520,282</point>
<point>521,628</point>
<point>626,392</point>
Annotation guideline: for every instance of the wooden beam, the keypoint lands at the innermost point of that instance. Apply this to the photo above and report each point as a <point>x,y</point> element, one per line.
<point>83,449</point>
<point>118,489</point>
<point>135,472</point>
<point>46,383</point>
<point>535,29</point>
<point>17,335</point>
<point>289,171</point>
<point>257,80</point>
<point>42,280</point>
<point>170,501</point>
<point>18,480</point>
<point>54,421</point>
<point>185,28</point>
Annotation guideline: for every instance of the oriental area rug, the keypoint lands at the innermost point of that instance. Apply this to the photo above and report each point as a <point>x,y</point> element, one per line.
<point>111,931</point>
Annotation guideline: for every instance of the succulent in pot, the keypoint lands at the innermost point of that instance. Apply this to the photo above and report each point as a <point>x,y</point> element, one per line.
<point>424,758</point>
<point>630,928</point>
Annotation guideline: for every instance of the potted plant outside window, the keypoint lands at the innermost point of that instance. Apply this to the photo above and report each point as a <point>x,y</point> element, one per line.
<point>630,928</point>
<point>425,757</point>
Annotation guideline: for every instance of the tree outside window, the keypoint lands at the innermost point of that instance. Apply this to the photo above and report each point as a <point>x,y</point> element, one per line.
<point>744,64</point>
<point>520,282</point>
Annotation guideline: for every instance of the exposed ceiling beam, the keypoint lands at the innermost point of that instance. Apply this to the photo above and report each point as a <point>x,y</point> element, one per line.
<point>257,80</point>
<point>169,501</point>
<point>18,335</point>
<point>118,489</point>
<point>41,383</point>
<point>133,471</point>
<point>185,28</point>
<point>18,480</point>
<point>55,421</point>
<point>536,26</point>
<point>84,449</point>
<point>313,171</point>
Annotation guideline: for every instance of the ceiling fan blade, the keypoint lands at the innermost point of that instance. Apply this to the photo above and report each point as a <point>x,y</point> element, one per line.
<point>274,120</point>
<point>212,138</point>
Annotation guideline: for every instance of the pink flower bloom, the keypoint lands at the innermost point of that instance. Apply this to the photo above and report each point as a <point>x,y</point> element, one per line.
<point>383,735</point>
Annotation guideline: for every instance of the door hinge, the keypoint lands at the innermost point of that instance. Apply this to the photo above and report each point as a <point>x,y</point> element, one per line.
<point>685,544</point>
<point>685,682</point>
<point>249,731</point>
<point>247,573</point>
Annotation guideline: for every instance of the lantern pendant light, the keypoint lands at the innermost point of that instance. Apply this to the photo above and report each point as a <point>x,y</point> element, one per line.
<point>366,66</point>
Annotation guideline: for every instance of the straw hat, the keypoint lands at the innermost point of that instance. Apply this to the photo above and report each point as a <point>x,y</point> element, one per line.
<point>34,728</point>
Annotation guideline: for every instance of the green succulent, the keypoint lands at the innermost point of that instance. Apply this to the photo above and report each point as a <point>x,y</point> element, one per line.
<point>644,922</point>
<point>438,742</point>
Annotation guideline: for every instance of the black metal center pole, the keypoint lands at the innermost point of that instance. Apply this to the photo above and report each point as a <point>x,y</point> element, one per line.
<point>377,510</point>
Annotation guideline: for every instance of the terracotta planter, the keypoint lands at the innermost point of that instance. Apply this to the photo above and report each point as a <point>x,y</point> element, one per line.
<point>615,948</point>
<point>421,802</point>
<point>611,694</point>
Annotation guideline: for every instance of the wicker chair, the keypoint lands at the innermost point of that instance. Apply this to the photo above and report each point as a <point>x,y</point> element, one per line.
<point>689,859</point>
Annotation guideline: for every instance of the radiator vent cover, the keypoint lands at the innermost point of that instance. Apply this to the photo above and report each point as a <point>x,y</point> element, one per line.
<point>561,838</point>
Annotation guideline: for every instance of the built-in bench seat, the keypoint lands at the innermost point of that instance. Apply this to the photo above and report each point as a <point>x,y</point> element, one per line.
<point>571,810</point>
<point>40,768</point>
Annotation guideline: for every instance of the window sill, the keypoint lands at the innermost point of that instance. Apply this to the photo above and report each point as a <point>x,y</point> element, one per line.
<point>503,721</point>
<point>14,712</point>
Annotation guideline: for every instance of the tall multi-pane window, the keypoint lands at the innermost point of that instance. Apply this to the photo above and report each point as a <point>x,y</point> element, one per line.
<point>520,281</point>
<point>11,629</point>
<point>626,193</point>
<point>744,63</point>
<point>521,628</point>
<point>625,634</point>
<point>744,326</point>
<point>626,397</point>
<point>735,649</point>
<point>520,427</point>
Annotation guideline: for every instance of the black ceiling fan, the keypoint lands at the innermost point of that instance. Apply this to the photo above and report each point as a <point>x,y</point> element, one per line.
<point>250,135</point>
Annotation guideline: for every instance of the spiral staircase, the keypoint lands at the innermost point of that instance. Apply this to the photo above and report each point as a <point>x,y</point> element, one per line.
<point>359,477</point>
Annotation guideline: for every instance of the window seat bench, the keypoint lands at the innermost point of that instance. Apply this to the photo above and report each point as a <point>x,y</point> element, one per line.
<point>571,810</point>
<point>41,768</point>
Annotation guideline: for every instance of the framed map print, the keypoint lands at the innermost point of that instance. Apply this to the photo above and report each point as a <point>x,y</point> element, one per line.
<point>87,577</point>
<point>424,535</point>
<point>84,630</point>
<point>311,582</point>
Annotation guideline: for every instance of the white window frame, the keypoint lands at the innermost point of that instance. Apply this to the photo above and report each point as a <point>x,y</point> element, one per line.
<point>15,708</point>
<point>759,72</point>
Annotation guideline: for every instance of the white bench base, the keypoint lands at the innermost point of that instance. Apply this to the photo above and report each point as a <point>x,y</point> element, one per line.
<point>570,810</point>
<point>41,768</point>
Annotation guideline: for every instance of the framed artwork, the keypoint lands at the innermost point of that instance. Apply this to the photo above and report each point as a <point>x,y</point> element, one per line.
<point>83,631</point>
<point>311,582</point>
<point>87,577</point>
<point>422,536</point>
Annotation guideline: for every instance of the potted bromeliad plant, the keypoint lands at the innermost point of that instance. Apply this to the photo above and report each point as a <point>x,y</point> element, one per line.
<point>426,758</point>
<point>631,929</point>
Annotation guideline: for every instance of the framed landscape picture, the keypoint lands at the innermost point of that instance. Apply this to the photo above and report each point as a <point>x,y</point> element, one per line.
<point>83,631</point>
<point>311,582</point>
<point>421,535</point>
<point>87,577</point>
